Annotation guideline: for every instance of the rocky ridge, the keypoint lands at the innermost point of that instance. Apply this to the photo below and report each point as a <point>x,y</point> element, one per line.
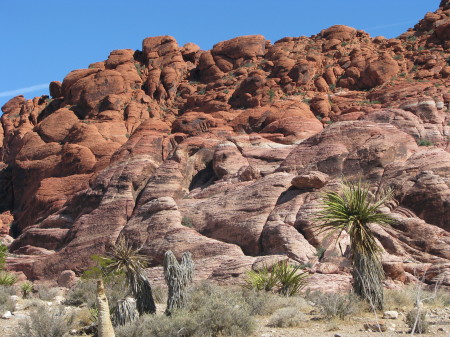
<point>225,152</point>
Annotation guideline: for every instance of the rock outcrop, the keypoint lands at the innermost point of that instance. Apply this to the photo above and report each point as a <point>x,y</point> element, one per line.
<point>224,153</point>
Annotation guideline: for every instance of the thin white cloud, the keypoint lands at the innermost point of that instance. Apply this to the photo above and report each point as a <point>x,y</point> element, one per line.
<point>389,25</point>
<point>24,90</point>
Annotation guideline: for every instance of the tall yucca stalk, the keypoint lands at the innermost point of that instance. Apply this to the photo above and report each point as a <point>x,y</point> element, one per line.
<point>126,259</point>
<point>352,210</point>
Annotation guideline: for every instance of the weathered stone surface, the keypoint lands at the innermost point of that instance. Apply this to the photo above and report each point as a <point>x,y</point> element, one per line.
<point>351,148</point>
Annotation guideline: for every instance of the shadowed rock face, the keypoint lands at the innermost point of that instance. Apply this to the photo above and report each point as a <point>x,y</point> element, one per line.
<point>224,153</point>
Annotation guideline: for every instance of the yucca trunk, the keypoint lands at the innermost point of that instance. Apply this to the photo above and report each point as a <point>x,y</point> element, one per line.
<point>368,276</point>
<point>105,327</point>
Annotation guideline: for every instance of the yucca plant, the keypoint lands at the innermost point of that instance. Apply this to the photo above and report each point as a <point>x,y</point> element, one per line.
<point>7,279</point>
<point>282,278</point>
<point>291,280</point>
<point>352,210</point>
<point>123,258</point>
<point>26,288</point>
<point>178,276</point>
<point>261,279</point>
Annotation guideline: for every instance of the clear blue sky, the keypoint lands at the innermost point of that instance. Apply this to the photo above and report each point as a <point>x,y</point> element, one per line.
<point>42,41</point>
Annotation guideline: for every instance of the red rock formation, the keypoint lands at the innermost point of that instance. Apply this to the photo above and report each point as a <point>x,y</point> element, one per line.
<point>224,153</point>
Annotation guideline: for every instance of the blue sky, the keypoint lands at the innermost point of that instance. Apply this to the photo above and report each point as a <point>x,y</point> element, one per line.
<point>42,41</point>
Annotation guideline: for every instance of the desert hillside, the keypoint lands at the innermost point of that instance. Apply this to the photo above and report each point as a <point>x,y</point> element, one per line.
<point>224,153</point>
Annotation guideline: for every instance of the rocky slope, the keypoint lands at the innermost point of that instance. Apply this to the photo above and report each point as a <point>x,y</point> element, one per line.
<point>224,153</point>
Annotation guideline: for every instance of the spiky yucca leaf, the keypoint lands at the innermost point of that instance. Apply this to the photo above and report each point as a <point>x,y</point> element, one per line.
<point>290,278</point>
<point>352,210</point>
<point>7,279</point>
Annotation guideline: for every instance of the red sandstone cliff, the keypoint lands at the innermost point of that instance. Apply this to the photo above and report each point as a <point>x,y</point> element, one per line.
<point>235,142</point>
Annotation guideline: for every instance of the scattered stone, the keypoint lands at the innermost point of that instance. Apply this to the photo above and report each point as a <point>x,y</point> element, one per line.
<point>390,315</point>
<point>67,278</point>
<point>314,179</point>
<point>7,315</point>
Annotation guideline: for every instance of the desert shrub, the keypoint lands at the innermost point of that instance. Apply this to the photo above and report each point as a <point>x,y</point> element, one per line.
<point>282,277</point>
<point>83,292</point>
<point>7,279</point>
<point>417,321</point>
<point>262,304</point>
<point>220,316</point>
<point>336,305</point>
<point>216,317</point>
<point>287,318</point>
<point>424,142</point>
<point>399,298</point>
<point>32,303</point>
<point>6,304</point>
<point>83,317</point>
<point>210,311</point>
<point>180,324</point>
<point>45,292</point>
<point>221,311</point>
<point>133,329</point>
<point>45,322</point>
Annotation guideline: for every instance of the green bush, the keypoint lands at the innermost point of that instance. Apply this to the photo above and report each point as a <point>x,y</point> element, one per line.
<point>287,318</point>
<point>187,222</point>
<point>282,278</point>
<point>424,142</point>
